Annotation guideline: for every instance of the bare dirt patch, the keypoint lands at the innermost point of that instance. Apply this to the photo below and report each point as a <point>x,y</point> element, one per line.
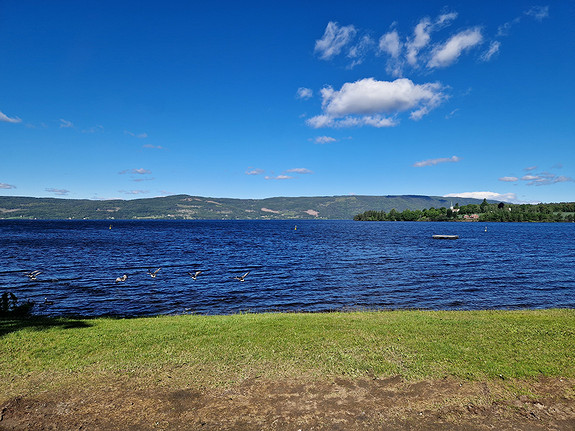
<point>337,404</point>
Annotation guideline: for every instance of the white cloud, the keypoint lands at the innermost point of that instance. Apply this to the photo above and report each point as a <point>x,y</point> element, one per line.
<point>6,186</point>
<point>445,19</point>
<point>324,139</point>
<point>5,119</point>
<point>157,147</point>
<point>509,179</point>
<point>538,12</point>
<point>493,49</point>
<point>545,179</point>
<point>421,37</point>
<point>508,197</point>
<point>390,44</point>
<point>59,192</point>
<point>366,120</point>
<point>334,39</point>
<point>298,171</point>
<point>134,192</point>
<point>446,54</point>
<point>279,177</point>
<point>140,171</point>
<point>432,162</point>
<point>252,171</point>
<point>139,135</point>
<point>530,168</point>
<point>65,124</point>
<point>304,93</point>
<point>361,103</point>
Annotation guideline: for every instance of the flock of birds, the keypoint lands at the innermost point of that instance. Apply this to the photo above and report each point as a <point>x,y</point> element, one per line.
<point>194,275</point>
<point>34,274</point>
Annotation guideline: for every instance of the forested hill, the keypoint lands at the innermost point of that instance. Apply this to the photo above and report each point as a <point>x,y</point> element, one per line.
<point>196,207</point>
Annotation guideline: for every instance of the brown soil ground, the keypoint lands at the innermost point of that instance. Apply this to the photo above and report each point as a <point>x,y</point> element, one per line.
<point>337,404</point>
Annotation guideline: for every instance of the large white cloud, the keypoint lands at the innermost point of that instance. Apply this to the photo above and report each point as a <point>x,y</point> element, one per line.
<point>365,101</point>
<point>447,53</point>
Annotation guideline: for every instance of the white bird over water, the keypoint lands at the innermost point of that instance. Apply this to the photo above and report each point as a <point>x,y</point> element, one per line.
<point>32,275</point>
<point>242,278</point>
<point>194,275</point>
<point>153,274</point>
<point>122,278</point>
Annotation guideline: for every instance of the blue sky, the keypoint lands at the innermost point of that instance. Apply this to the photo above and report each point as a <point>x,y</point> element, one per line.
<point>108,99</point>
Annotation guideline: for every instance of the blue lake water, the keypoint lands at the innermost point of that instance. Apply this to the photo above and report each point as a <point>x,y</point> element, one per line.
<point>320,266</point>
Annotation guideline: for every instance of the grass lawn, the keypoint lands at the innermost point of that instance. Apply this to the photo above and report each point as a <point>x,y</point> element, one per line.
<point>219,351</point>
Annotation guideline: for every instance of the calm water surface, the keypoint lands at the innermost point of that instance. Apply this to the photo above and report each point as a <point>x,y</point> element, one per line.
<point>321,265</point>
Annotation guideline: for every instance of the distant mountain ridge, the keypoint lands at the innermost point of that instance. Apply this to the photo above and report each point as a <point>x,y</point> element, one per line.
<point>202,208</point>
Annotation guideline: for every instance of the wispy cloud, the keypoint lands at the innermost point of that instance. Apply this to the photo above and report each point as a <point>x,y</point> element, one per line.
<point>134,192</point>
<point>157,147</point>
<point>140,171</point>
<point>417,50</point>
<point>58,192</point>
<point>279,177</point>
<point>138,135</point>
<point>252,171</point>
<point>6,186</point>
<point>509,179</point>
<point>508,197</point>
<point>304,93</point>
<point>358,52</point>
<point>432,162</point>
<point>538,12</point>
<point>493,49</point>
<point>6,119</point>
<point>299,171</point>
<point>447,53</point>
<point>530,168</point>
<point>367,101</point>
<point>545,179</point>
<point>334,39</point>
<point>324,139</point>
<point>65,124</point>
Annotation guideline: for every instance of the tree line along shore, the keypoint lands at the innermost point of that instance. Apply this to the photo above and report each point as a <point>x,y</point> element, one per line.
<point>484,212</point>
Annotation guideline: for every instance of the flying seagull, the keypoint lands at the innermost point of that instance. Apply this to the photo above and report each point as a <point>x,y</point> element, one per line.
<point>242,278</point>
<point>32,275</point>
<point>122,278</point>
<point>194,275</point>
<point>153,274</point>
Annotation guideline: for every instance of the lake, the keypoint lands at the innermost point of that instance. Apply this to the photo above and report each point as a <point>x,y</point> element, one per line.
<point>318,266</point>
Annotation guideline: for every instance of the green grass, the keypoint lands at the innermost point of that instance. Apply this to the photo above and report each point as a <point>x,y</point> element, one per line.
<point>223,350</point>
